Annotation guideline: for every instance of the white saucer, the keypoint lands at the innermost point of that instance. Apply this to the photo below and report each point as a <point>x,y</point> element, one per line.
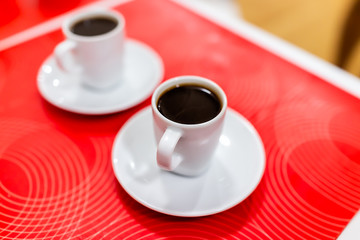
<point>236,171</point>
<point>143,70</point>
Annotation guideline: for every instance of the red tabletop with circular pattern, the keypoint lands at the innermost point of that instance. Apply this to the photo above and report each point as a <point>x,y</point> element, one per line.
<point>56,177</point>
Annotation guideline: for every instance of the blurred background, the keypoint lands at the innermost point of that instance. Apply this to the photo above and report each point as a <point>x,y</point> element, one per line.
<point>329,29</point>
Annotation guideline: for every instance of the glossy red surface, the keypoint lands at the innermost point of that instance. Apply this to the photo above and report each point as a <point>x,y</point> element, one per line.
<point>56,175</point>
<point>19,15</point>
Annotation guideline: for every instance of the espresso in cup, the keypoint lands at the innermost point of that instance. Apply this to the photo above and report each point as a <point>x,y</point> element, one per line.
<point>94,26</point>
<point>93,49</point>
<point>189,104</point>
<point>188,115</point>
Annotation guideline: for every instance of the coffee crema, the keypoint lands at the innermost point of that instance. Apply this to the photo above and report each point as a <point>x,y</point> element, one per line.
<point>189,104</point>
<point>94,26</point>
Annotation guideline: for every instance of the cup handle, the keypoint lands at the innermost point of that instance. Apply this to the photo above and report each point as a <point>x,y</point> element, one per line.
<point>165,149</point>
<point>64,56</point>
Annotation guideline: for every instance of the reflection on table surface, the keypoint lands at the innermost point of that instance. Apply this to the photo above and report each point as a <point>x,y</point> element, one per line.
<point>56,173</point>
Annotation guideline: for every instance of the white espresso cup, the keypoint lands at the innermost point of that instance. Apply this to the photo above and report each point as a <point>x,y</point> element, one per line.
<point>93,48</point>
<point>188,115</point>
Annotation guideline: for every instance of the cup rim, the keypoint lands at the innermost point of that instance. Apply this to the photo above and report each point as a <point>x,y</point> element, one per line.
<point>93,13</point>
<point>191,79</point>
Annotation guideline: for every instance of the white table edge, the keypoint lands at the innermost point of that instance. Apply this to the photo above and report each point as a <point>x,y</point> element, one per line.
<point>309,62</point>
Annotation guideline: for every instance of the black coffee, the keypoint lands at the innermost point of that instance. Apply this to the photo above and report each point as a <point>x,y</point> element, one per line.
<point>189,104</point>
<point>94,26</point>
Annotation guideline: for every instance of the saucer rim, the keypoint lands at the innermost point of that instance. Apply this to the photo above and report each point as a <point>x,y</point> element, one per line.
<point>97,111</point>
<point>191,214</point>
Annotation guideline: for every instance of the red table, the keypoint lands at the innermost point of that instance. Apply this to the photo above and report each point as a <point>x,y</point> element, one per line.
<point>20,15</point>
<point>55,166</point>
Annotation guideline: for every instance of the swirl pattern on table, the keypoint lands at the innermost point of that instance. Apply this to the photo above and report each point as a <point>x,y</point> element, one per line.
<point>56,178</point>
